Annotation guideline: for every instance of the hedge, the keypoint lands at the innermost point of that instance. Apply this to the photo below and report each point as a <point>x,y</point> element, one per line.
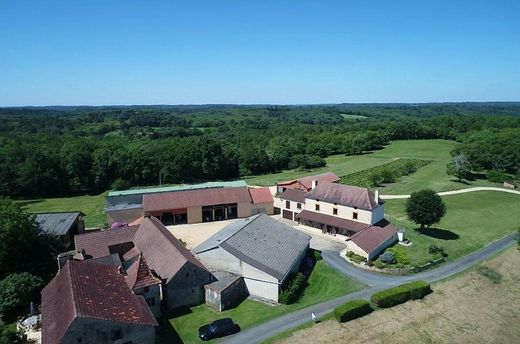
<point>400,294</point>
<point>292,289</point>
<point>352,310</point>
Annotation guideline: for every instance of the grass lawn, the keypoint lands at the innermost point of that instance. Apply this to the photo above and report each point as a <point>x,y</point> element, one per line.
<point>472,221</point>
<point>324,284</point>
<point>91,206</point>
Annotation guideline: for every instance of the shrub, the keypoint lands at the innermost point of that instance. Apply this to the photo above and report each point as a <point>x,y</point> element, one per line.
<point>356,258</point>
<point>496,176</point>
<point>388,258</point>
<point>400,254</point>
<point>314,254</point>
<point>18,290</point>
<point>437,251</point>
<point>400,294</point>
<point>120,184</point>
<point>352,310</point>
<point>292,289</point>
<point>379,264</point>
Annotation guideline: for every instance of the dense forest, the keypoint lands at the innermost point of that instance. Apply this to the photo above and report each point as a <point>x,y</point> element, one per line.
<point>69,150</point>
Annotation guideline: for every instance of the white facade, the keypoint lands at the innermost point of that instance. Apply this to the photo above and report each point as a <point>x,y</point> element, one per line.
<point>350,213</point>
<point>352,247</point>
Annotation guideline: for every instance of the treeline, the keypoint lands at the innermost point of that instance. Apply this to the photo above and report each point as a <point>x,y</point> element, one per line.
<point>62,151</point>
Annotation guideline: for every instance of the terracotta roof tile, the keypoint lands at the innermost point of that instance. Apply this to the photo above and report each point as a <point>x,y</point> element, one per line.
<point>184,199</point>
<point>96,244</point>
<point>347,195</point>
<point>261,195</point>
<point>88,290</point>
<point>293,195</point>
<point>371,238</point>
<point>138,274</point>
<point>306,182</point>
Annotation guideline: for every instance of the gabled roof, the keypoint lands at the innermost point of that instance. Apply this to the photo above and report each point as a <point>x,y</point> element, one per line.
<point>294,195</point>
<point>164,254</point>
<point>261,195</point>
<point>58,223</point>
<point>333,221</point>
<point>138,274</point>
<point>191,198</point>
<point>262,242</point>
<point>307,181</point>
<point>371,238</point>
<point>87,290</point>
<point>347,195</point>
<point>97,244</point>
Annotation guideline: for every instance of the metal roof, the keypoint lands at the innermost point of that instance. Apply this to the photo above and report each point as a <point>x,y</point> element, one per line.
<point>57,223</point>
<point>235,183</point>
<point>264,243</point>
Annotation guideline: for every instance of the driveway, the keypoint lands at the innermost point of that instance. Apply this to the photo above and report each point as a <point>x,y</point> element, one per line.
<point>195,234</point>
<point>376,282</point>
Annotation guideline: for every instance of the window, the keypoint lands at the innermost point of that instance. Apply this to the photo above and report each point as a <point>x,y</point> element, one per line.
<point>187,274</point>
<point>317,207</point>
<point>298,205</point>
<point>335,211</point>
<point>146,289</point>
<point>287,205</point>
<point>354,216</point>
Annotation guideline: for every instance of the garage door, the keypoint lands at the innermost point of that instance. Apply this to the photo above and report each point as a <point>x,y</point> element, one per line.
<point>287,214</point>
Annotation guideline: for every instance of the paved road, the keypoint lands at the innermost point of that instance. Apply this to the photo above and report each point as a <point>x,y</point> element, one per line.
<point>375,281</point>
<point>455,192</point>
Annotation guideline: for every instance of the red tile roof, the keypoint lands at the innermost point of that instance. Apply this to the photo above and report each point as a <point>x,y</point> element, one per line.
<point>294,195</point>
<point>96,244</point>
<point>183,199</point>
<point>330,220</point>
<point>372,237</point>
<point>347,195</point>
<point>261,195</point>
<point>163,252</point>
<point>138,274</point>
<point>306,182</point>
<point>89,290</point>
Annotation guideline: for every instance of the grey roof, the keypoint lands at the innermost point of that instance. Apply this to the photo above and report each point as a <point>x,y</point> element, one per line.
<point>57,223</point>
<point>216,239</point>
<point>263,243</point>
<point>224,280</point>
<point>347,195</point>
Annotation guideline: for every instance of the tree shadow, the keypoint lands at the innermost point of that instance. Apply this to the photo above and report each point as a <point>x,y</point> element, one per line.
<point>438,233</point>
<point>460,181</point>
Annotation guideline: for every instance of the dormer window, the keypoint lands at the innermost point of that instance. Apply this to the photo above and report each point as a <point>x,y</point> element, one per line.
<point>317,207</point>
<point>335,211</point>
<point>355,216</point>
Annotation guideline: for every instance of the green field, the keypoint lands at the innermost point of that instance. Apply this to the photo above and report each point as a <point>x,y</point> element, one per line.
<point>91,206</point>
<point>325,283</point>
<point>473,220</point>
<point>431,176</point>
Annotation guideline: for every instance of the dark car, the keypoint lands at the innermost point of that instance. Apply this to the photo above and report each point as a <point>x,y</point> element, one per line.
<point>218,328</point>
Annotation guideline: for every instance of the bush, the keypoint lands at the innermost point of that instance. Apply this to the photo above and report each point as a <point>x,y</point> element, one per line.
<point>352,310</point>
<point>18,290</point>
<point>388,258</point>
<point>314,254</point>
<point>379,264</point>
<point>356,258</point>
<point>437,251</point>
<point>293,289</point>
<point>120,184</point>
<point>496,176</point>
<point>400,294</point>
<point>400,254</point>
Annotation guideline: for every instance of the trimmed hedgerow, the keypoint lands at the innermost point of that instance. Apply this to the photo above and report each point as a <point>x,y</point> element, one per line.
<point>352,310</point>
<point>292,289</point>
<point>400,294</point>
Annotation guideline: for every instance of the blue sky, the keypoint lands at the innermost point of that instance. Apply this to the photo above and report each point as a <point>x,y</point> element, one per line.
<point>98,52</point>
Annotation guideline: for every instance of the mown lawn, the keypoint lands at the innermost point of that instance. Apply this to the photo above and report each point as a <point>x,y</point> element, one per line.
<point>91,206</point>
<point>325,283</point>
<point>473,220</point>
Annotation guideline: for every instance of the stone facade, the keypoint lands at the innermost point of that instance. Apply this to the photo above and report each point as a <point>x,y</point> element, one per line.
<point>92,331</point>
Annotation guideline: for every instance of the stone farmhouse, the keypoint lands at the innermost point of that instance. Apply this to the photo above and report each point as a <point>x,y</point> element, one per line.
<point>354,212</point>
<point>157,265</point>
<point>87,302</point>
<point>261,250</point>
<point>306,183</point>
<point>187,204</point>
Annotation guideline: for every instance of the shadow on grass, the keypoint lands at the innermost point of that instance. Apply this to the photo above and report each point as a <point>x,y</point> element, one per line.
<point>438,233</point>
<point>24,203</point>
<point>166,333</point>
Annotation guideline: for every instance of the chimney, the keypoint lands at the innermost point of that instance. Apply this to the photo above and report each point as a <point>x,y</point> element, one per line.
<point>376,196</point>
<point>314,184</point>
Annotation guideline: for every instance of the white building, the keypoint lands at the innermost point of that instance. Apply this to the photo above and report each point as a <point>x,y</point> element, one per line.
<point>260,249</point>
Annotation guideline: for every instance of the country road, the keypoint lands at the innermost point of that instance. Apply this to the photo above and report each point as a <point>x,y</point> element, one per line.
<point>374,281</point>
<point>456,192</point>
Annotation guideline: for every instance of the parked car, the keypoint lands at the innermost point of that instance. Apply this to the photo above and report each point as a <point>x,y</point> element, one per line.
<point>218,328</point>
